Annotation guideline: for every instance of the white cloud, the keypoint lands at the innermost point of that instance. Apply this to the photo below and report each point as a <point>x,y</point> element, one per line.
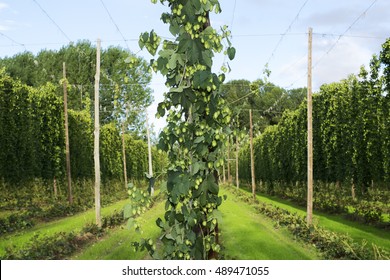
<point>3,6</point>
<point>292,73</point>
<point>344,59</point>
<point>3,25</point>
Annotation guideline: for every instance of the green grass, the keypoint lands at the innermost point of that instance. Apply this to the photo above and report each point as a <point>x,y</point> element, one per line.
<point>116,244</point>
<point>247,235</point>
<point>336,223</point>
<point>74,223</point>
<point>254,237</point>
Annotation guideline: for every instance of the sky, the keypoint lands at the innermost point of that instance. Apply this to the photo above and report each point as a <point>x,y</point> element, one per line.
<point>275,32</point>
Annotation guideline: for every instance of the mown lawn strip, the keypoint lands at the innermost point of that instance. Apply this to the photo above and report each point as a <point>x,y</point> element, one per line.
<point>116,245</point>
<point>246,235</point>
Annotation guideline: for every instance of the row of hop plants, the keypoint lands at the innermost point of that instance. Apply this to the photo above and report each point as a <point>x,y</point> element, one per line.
<point>32,156</point>
<point>33,146</point>
<point>351,146</point>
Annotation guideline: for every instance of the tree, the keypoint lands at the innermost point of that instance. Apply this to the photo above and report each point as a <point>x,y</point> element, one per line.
<point>267,101</point>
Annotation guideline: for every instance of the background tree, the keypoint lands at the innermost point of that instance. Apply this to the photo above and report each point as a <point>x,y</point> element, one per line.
<point>267,101</point>
<point>124,83</point>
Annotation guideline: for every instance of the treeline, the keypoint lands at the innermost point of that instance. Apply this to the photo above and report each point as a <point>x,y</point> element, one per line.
<point>351,130</point>
<point>267,101</point>
<point>124,81</point>
<point>33,146</point>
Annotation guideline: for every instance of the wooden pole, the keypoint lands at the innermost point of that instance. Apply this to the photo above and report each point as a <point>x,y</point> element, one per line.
<point>149,156</point>
<point>223,171</point>
<point>124,155</point>
<point>237,179</point>
<point>229,176</point>
<point>252,155</point>
<point>309,135</point>
<point>96,141</point>
<point>67,151</point>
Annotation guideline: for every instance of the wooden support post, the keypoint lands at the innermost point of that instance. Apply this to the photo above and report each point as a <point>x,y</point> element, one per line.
<point>67,151</point>
<point>124,155</point>
<point>229,175</point>
<point>55,188</point>
<point>96,141</point>
<point>252,155</point>
<point>150,157</point>
<point>237,177</point>
<point>309,135</point>
<point>223,172</point>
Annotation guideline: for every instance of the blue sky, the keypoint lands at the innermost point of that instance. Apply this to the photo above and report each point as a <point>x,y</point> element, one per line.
<point>257,28</point>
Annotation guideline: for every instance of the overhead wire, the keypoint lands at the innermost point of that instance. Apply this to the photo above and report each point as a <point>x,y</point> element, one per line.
<point>52,20</point>
<point>343,34</point>
<point>285,32</point>
<point>233,16</point>
<point>115,24</point>
<point>283,35</point>
<point>235,36</point>
<point>13,41</point>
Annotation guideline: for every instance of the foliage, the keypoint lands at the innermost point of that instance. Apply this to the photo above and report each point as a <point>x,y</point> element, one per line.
<point>196,130</point>
<point>267,101</point>
<point>15,222</point>
<point>32,138</point>
<point>81,144</point>
<point>124,79</point>
<point>31,132</point>
<point>110,151</point>
<point>140,201</point>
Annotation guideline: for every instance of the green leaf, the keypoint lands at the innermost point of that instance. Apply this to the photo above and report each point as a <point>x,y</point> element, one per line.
<point>231,52</point>
<point>194,51</point>
<point>177,89</point>
<point>207,56</point>
<point>130,223</point>
<point>127,211</point>
<point>196,4</point>
<point>211,185</point>
<point>199,140</point>
<point>160,223</point>
<point>174,28</point>
<point>201,79</point>
<point>160,109</point>
<point>172,61</point>
<point>195,167</point>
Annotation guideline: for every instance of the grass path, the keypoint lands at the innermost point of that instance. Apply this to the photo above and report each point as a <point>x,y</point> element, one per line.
<point>116,244</point>
<point>74,223</point>
<point>247,235</point>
